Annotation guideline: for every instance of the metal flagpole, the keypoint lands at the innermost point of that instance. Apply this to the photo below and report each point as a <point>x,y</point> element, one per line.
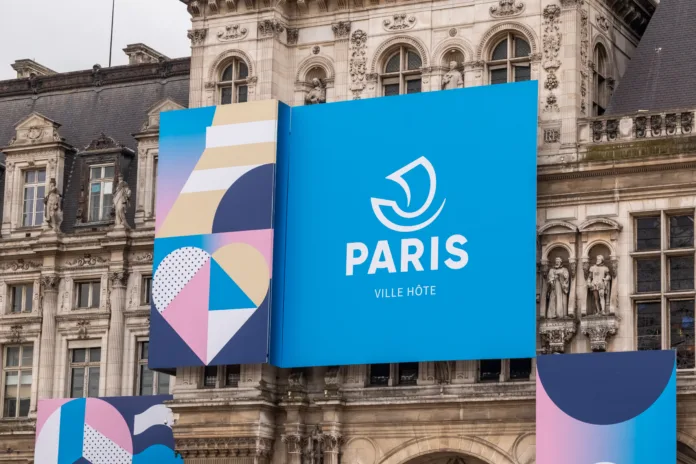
<point>111,41</point>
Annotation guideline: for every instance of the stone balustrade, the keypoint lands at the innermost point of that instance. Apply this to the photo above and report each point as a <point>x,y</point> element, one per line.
<point>635,127</point>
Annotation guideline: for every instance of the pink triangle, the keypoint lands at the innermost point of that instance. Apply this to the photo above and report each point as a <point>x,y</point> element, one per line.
<point>188,312</point>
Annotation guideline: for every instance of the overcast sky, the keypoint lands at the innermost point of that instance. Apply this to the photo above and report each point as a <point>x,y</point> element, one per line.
<point>69,35</point>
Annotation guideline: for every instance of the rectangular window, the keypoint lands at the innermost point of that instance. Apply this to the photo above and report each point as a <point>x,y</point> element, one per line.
<point>146,290</point>
<point>648,233</point>
<point>681,232</point>
<point>391,89</point>
<point>242,92</point>
<point>226,95</point>
<point>379,374</point>
<point>681,273</point>
<point>520,369</point>
<point>84,372</point>
<point>490,370</point>
<point>18,379</point>
<point>88,294</point>
<point>101,184</point>
<point>499,76</point>
<point>649,326</point>
<point>210,376</point>
<point>21,298</point>
<point>648,275</point>
<point>413,86</point>
<point>233,375</point>
<point>681,320</point>
<point>522,73</point>
<point>34,192</point>
<point>150,382</point>
<point>408,373</point>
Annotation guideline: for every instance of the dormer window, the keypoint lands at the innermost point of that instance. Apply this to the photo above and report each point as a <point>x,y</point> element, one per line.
<point>101,186</point>
<point>233,83</point>
<point>34,191</point>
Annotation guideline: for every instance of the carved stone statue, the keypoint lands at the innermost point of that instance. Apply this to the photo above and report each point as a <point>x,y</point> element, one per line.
<point>599,284</point>
<point>317,94</point>
<point>559,289</point>
<point>453,78</point>
<point>53,214</point>
<point>121,203</point>
<point>443,372</point>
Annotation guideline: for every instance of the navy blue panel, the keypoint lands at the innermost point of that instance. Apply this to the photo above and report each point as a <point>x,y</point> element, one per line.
<point>250,338</point>
<point>602,390</point>
<point>158,434</point>
<point>248,203</point>
<point>166,344</point>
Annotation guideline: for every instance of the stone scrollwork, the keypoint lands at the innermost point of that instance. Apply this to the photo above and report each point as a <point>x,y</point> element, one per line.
<point>599,328</point>
<point>232,32</point>
<point>49,283</point>
<point>341,29</point>
<point>197,36</point>
<point>86,260</point>
<point>118,278</point>
<point>20,265</point>
<point>507,8</point>
<point>358,62</point>
<point>552,46</point>
<point>399,22</point>
<point>270,28</point>
<point>557,333</point>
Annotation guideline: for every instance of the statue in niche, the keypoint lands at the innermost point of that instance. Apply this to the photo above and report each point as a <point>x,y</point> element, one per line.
<point>443,372</point>
<point>559,289</point>
<point>53,214</point>
<point>599,284</point>
<point>121,203</point>
<point>317,94</point>
<point>453,78</point>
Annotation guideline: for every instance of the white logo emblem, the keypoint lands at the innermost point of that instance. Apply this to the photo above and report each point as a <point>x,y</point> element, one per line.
<point>378,203</point>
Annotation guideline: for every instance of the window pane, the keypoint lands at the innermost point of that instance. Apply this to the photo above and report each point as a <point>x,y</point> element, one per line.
<point>145,350</point>
<point>499,76</point>
<point>522,73</point>
<point>24,407</point>
<point>227,73</point>
<point>29,177</point>
<point>28,297</point>
<point>10,409</point>
<point>681,318</point>
<point>147,290</point>
<point>94,355</point>
<point>226,95</point>
<point>79,355</point>
<point>107,202</point>
<point>17,298</point>
<point>77,382</point>
<point>681,273</point>
<point>243,71</point>
<point>394,64</point>
<point>520,369</point>
<point>93,385</point>
<point>391,89</point>
<point>83,295</point>
<point>522,48</point>
<point>413,86</point>
<point>42,176</point>
<point>27,356</point>
<point>109,172</point>
<point>648,233</point>
<point>96,294</point>
<point>379,374</point>
<point>233,375</point>
<point>95,173</point>
<point>242,93</point>
<point>649,326</point>
<point>162,384</point>
<point>490,370</point>
<point>414,61</point>
<point>146,378</point>
<point>681,231</point>
<point>12,359</point>
<point>210,376</point>
<point>500,51</point>
<point>408,373</point>
<point>648,275</point>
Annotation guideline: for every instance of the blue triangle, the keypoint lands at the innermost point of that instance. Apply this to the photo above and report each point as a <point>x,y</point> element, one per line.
<point>224,292</point>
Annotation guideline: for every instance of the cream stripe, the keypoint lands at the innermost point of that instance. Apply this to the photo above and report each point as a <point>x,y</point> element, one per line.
<point>207,180</point>
<point>239,155</point>
<point>261,110</point>
<point>241,134</point>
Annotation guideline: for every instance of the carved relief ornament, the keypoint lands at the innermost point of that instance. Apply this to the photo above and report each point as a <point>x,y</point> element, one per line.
<point>197,36</point>
<point>20,265</point>
<point>232,32</point>
<point>270,28</point>
<point>507,8</point>
<point>341,29</point>
<point>399,22</point>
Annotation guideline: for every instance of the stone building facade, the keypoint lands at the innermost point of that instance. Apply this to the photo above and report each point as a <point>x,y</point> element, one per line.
<point>74,297</point>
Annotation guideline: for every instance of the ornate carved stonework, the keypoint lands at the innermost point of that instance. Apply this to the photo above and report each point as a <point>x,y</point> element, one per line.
<point>49,283</point>
<point>82,329</point>
<point>20,265</point>
<point>584,49</point>
<point>197,36</point>
<point>552,135</point>
<point>602,22</point>
<point>224,447</point>
<point>294,443</point>
<point>143,258</point>
<point>332,380</point>
<point>232,32</point>
<point>507,8</point>
<point>270,28</point>
<point>316,50</point>
<point>103,142</point>
<point>399,22</point>
<point>557,333</point>
<point>86,260</point>
<point>118,278</point>
<point>341,29</point>
<point>443,371</point>
<point>358,62</point>
<point>292,35</point>
<point>16,335</point>
<point>599,328</point>
<point>296,382</point>
<point>552,46</point>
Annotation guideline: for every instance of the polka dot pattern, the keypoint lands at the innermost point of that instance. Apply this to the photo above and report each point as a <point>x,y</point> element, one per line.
<point>98,449</point>
<point>174,272</point>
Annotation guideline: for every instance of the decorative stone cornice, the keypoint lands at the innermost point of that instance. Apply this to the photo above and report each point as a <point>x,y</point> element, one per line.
<point>270,28</point>
<point>599,328</point>
<point>557,333</point>
<point>224,447</point>
<point>197,36</point>
<point>341,30</point>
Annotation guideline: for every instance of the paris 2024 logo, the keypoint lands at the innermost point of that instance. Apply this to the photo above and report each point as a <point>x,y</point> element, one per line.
<point>410,254</point>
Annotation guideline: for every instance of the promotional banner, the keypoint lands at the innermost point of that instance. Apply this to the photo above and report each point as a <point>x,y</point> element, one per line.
<point>214,236</point>
<point>406,229</point>
<point>606,408</point>
<point>123,430</point>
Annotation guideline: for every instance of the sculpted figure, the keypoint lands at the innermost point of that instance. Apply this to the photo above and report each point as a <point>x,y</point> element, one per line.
<point>453,78</point>
<point>443,371</point>
<point>53,215</point>
<point>317,94</point>
<point>559,289</point>
<point>121,203</point>
<point>599,283</point>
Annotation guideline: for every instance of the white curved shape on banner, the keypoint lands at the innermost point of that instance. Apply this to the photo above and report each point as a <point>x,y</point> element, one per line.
<point>158,414</point>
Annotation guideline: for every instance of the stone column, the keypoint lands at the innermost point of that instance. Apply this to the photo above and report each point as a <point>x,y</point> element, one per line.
<point>49,292</point>
<point>294,443</point>
<point>341,32</point>
<point>197,37</point>
<point>114,349</point>
<point>332,447</point>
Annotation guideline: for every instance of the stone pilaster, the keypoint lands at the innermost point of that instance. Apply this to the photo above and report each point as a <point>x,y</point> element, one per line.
<point>294,444</point>
<point>49,292</point>
<point>341,32</point>
<point>570,101</point>
<point>197,37</point>
<point>114,357</point>
<point>332,447</point>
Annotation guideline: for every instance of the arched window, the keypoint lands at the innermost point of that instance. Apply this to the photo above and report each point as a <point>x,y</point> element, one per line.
<point>509,61</point>
<point>401,72</point>
<point>600,94</point>
<point>233,87</point>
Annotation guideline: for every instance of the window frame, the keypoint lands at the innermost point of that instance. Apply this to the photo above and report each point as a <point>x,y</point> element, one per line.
<point>20,368</point>
<point>141,365</point>
<point>146,290</point>
<point>511,61</point>
<point>236,83</point>
<point>404,75</point>
<point>39,192</point>
<point>665,296</point>
<point>104,210</point>
<point>600,80</point>
<point>87,365</point>
<point>91,283</point>
<point>11,299</point>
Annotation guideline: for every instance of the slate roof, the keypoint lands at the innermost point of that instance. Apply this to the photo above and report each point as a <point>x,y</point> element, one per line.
<point>660,75</point>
